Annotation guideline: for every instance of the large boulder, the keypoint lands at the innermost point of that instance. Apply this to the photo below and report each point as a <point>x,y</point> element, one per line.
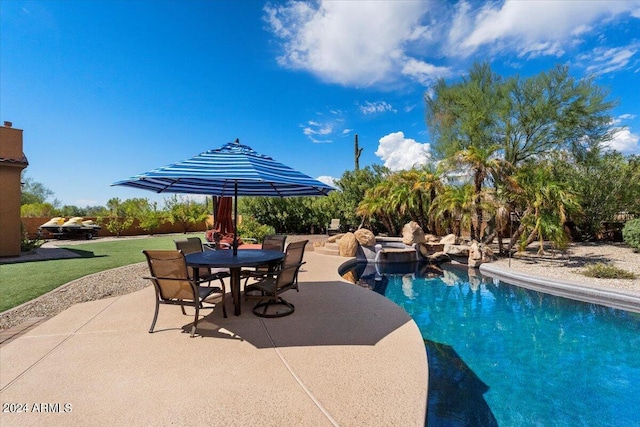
<point>348,245</point>
<point>412,233</point>
<point>431,238</point>
<point>479,253</point>
<point>457,250</point>
<point>449,239</point>
<point>365,237</point>
<point>334,238</point>
<point>439,257</point>
<point>428,248</point>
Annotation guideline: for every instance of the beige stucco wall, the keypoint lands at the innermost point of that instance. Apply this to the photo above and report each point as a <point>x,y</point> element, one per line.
<point>12,162</point>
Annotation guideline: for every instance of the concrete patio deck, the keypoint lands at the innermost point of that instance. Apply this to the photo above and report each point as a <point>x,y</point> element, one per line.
<point>347,357</point>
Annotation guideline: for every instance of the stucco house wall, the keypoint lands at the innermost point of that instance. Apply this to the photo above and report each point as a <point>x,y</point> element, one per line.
<point>12,162</point>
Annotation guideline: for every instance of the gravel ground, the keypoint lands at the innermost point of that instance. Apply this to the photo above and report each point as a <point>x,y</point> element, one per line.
<point>570,264</point>
<point>105,284</point>
<point>566,265</point>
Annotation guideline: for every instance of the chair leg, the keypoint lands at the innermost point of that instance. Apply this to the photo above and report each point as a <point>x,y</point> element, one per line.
<point>155,316</point>
<point>277,301</point>
<point>195,321</point>
<point>224,306</point>
<point>246,297</point>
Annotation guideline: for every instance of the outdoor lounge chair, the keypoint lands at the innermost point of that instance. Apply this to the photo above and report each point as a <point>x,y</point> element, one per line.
<point>206,275</point>
<point>275,283</point>
<point>270,242</point>
<point>333,226</point>
<point>174,286</point>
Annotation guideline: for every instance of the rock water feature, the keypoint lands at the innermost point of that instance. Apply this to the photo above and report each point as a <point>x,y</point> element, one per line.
<point>413,246</point>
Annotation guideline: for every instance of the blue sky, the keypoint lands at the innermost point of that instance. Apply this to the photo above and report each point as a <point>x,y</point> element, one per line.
<point>108,89</point>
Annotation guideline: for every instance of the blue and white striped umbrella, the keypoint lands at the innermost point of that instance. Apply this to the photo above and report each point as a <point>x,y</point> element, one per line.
<point>216,172</point>
<point>231,170</point>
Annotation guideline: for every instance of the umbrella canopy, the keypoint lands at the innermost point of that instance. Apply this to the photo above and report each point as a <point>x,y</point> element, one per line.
<point>231,170</point>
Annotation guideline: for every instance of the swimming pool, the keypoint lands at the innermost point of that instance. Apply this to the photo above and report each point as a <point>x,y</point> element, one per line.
<point>504,355</point>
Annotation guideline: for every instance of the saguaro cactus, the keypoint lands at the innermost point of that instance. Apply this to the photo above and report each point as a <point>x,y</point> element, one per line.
<point>357,152</point>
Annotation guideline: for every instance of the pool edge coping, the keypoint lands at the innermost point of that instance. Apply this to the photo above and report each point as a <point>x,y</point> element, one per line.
<point>613,298</point>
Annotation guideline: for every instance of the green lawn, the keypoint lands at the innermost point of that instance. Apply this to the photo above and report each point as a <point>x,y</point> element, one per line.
<point>25,281</point>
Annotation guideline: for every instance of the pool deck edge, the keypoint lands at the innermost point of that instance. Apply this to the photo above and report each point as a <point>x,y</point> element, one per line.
<point>613,298</point>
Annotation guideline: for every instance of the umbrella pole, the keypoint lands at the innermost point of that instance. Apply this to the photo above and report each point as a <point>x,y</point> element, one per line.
<point>235,218</point>
<point>214,208</point>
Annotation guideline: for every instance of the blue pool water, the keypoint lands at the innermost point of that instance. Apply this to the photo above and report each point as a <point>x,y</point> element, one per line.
<point>507,356</point>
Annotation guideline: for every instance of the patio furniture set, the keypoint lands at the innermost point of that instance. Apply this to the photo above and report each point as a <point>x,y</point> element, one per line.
<point>179,276</point>
<point>231,170</point>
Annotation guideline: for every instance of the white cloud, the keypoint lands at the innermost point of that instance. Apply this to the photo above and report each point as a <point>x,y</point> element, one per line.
<point>326,179</point>
<point>315,128</point>
<point>383,43</point>
<point>424,72</point>
<point>605,60</point>
<point>317,132</point>
<point>400,153</point>
<point>534,50</point>
<point>376,107</point>
<point>535,27</point>
<point>348,42</point>
<point>625,142</point>
<point>325,126</point>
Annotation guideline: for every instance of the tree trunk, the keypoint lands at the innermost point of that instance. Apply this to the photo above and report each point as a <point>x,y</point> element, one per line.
<point>515,237</point>
<point>488,239</point>
<point>500,244</point>
<point>532,237</point>
<point>479,233</point>
<point>387,224</point>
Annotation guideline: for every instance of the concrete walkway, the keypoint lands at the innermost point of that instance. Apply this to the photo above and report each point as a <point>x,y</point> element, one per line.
<point>347,357</point>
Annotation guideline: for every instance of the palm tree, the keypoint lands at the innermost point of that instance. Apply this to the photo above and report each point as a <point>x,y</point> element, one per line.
<point>376,202</point>
<point>428,184</point>
<point>486,167</point>
<point>454,207</point>
<point>547,205</point>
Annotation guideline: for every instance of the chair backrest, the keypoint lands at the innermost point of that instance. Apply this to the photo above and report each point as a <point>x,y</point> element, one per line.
<point>335,223</point>
<point>287,276</point>
<point>170,276</point>
<point>192,245</point>
<point>294,253</point>
<point>274,242</point>
<point>189,245</point>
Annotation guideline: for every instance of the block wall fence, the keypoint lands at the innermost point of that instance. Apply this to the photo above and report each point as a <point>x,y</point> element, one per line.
<point>31,225</point>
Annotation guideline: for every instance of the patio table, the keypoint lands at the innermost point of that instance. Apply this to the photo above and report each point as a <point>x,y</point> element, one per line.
<point>226,259</point>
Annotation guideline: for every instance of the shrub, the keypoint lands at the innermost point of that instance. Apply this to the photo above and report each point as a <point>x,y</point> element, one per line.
<point>631,234</point>
<point>27,244</point>
<point>606,271</point>
<point>250,228</point>
<point>115,225</point>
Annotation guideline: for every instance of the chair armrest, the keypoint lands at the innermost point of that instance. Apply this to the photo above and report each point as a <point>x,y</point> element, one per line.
<point>209,246</point>
<point>289,267</point>
<point>168,278</point>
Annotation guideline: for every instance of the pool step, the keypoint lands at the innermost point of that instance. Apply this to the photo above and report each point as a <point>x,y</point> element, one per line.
<point>327,249</point>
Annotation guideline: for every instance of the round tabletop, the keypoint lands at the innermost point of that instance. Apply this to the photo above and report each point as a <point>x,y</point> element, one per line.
<point>225,258</point>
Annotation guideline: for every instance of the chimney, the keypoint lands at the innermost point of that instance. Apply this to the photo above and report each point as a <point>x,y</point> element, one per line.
<point>8,124</point>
